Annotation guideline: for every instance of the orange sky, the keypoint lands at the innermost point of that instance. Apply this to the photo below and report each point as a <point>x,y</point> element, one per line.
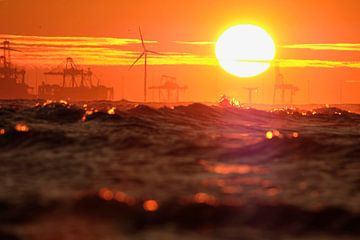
<point>318,43</point>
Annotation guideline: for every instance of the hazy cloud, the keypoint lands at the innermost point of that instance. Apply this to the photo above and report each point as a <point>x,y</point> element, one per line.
<point>194,43</point>
<point>38,50</point>
<point>327,46</point>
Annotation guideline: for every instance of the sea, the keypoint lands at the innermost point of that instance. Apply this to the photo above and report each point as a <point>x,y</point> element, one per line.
<point>126,170</point>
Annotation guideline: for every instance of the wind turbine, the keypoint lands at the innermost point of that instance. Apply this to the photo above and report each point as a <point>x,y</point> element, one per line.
<point>145,55</point>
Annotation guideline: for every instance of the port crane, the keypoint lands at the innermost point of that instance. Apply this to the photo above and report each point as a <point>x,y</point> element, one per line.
<point>7,71</point>
<point>170,88</point>
<point>71,74</point>
<point>250,91</point>
<point>76,84</point>
<point>280,84</point>
<point>12,79</point>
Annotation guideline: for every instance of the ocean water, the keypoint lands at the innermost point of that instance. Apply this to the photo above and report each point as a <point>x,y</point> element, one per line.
<point>121,170</point>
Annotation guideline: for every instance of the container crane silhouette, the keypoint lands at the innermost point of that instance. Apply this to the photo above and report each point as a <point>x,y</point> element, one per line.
<point>280,84</point>
<point>73,72</point>
<point>12,79</point>
<point>170,87</point>
<point>76,84</point>
<point>250,93</point>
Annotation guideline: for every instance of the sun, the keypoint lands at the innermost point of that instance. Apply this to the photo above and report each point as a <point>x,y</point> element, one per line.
<point>245,50</point>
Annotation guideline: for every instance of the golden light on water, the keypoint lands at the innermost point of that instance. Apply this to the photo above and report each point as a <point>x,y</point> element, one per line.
<point>269,135</point>
<point>111,111</point>
<point>151,206</point>
<point>225,169</point>
<point>89,112</point>
<point>205,198</point>
<point>295,135</point>
<point>124,198</point>
<point>118,196</point>
<point>64,102</point>
<point>21,127</point>
<point>276,134</point>
<point>106,194</point>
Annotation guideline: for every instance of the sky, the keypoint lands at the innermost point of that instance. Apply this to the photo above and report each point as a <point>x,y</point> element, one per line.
<point>318,44</point>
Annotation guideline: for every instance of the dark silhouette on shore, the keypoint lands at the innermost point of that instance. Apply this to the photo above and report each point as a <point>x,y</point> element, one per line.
<point>170,88</point>
<point>76,85</point>
<point>12,79</point>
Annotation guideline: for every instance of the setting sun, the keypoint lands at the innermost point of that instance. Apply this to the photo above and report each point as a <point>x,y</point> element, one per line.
<point>181,120</point>
<point>244,50</point>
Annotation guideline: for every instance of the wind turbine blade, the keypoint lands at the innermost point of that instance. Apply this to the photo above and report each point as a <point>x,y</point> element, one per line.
<point>141,55</point>
<point>10,49</point>
<point>14,50</point>
<point>142,39</point>
<point>149,51</point>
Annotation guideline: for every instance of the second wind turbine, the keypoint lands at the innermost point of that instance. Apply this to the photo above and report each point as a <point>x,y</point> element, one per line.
<point>144,54</point>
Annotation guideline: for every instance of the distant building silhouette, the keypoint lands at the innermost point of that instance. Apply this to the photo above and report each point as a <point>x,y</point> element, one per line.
<point>12,80</point>
<point>169,90</point>
<point>250,94</point>
<point>76,85</point>
<point>280,84</point>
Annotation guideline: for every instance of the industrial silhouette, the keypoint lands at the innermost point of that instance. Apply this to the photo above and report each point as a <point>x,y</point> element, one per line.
<point>280,84</point>
<point>250,94</point>
<point>12,80</point>
<point>170,89</point>
<point>144,54</point>
<point>76,85</point>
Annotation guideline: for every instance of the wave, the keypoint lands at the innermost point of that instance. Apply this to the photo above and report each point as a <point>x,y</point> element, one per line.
<point>205,165</point>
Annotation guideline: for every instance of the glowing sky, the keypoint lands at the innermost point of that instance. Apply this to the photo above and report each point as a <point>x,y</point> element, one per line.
<point>318,43</point>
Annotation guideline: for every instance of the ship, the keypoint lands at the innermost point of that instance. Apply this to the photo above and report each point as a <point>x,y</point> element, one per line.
<point>76,85</point>
<point>12,79</point>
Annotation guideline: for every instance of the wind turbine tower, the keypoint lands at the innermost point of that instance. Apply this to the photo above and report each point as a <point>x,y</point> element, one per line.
<point>144,54</point>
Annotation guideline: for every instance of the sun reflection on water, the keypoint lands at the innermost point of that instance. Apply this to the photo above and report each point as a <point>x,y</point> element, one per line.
<point>205,198</point>
<point>106,194</point>
<point>151,205</point>
<point>231,169</point>
<point>238,183</point>
<point>121,197</point>
<point>21,127</point>
<point>111,111</point>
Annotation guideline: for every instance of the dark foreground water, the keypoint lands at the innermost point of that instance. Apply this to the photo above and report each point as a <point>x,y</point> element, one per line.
<point>190,172</point>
